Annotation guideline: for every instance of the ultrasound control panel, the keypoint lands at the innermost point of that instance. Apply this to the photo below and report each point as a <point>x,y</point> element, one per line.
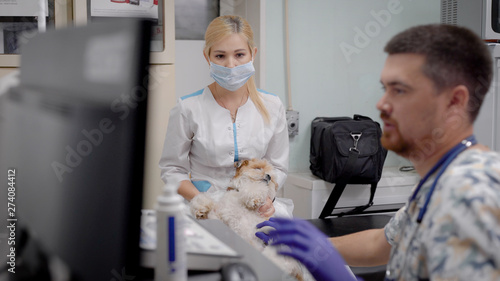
<point>204,250</point>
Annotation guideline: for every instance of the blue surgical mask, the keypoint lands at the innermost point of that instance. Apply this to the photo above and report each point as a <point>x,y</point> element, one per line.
<point>234,78</point>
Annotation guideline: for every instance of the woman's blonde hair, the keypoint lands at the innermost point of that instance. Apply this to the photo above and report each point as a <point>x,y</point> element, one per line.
<point>220,28</point>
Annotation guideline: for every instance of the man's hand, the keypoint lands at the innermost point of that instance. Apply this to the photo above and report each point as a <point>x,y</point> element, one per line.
<point>308,245</point>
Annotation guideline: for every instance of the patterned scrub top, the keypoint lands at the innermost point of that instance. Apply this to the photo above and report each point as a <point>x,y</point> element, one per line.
<point>459,236</point>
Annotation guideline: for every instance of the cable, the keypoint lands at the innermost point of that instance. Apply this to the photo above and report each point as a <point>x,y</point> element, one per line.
<point>406,168</point>
<point>287,54</point>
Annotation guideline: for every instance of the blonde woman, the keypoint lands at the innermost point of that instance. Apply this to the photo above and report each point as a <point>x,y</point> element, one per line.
<point>227,121</point>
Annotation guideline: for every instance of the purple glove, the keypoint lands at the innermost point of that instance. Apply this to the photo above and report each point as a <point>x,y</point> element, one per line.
<point>263,236</point>
<point>308,245</point>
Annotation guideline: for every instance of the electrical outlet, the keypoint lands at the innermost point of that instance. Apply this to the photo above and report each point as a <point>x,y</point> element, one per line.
<point>292,119</point>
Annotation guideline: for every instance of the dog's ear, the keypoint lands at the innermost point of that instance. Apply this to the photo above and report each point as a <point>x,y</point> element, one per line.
<point>275,184</point>
<point>240,163</point>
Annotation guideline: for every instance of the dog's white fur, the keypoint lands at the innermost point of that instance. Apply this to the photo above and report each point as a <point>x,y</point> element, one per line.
<point>239,208</point>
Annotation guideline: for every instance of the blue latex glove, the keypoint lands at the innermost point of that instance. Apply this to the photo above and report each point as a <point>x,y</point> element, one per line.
<point>308,245</point>
<point>263,236</point>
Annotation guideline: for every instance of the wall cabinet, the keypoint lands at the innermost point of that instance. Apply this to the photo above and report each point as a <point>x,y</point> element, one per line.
<point>65,13</point>
<point>163,33</point>
<point>59,16</point>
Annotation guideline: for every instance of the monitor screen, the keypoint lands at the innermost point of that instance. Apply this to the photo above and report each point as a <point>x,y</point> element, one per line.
<point>72,145</point>
<point>495,15</point>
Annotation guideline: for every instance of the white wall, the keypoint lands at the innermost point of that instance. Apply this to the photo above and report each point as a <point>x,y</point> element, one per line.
<point>487,124</point>
<point>191,68</point>
<point>327,80</point>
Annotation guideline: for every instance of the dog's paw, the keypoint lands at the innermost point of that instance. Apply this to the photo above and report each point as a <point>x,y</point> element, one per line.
<point>254,203</point>
<point>201,214</point>
<point>201,206</point>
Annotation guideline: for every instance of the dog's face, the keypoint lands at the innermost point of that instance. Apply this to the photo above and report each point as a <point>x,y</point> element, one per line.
<point>256,170</point>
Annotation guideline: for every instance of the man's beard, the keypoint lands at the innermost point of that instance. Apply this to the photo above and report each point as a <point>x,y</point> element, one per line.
<point>393,140</point>
<point>398,145</point>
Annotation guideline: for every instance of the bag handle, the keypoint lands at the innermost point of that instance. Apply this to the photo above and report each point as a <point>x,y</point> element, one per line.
<point>337,192</point>
<point>361,117</point>
<point>340,185</point>
<point>360,209</point>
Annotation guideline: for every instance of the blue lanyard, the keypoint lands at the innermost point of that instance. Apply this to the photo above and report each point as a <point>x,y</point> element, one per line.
<point>443,163</point>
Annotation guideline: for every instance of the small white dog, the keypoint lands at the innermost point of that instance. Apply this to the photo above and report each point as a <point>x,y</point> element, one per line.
<point>239,208</point>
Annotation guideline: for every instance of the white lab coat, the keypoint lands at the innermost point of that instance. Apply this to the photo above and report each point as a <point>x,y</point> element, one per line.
<point>202,143</point>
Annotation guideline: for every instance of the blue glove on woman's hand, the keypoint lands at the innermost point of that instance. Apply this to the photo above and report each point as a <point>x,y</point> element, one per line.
<point>308,245</point>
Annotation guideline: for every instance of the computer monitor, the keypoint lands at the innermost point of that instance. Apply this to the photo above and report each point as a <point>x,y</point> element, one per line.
<point>72,146</point>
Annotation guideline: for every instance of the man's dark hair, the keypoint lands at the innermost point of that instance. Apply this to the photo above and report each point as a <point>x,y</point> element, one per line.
<point>454,56</point>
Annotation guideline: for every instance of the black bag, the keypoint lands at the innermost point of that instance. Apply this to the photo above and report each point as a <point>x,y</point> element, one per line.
<point>345,151</point>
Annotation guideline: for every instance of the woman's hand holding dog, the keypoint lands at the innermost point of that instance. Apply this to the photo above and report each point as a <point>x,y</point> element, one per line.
<point>267,210</point>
